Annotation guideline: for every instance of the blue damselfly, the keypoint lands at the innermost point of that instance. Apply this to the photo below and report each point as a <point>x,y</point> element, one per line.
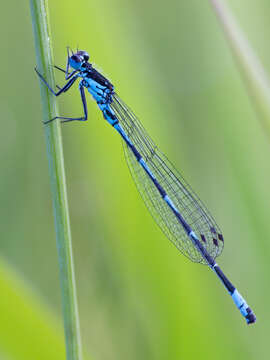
<point>175,207</point>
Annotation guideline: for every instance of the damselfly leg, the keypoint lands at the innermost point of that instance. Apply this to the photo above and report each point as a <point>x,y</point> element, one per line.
<point>65,88</point>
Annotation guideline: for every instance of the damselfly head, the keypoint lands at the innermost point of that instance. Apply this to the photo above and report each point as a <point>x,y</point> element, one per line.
<point>78,59</point>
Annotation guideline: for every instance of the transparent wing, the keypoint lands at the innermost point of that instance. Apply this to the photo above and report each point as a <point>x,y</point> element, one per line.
<point>189,205</point>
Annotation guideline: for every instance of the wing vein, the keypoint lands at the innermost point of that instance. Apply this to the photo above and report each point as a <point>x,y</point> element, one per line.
<point>187,202</point>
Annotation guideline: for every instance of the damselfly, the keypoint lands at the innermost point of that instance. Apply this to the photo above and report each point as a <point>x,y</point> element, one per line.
<point>175,207</point>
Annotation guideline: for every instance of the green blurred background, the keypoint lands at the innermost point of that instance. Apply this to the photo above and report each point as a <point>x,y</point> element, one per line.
<point>138,297</point>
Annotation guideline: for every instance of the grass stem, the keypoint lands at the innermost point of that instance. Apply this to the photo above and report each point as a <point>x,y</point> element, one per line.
<point>42,36</point>
<point>254,74</point>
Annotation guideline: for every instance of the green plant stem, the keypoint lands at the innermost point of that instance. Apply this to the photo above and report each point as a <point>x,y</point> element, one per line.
<point>39,10</point>
<point>255,76</point>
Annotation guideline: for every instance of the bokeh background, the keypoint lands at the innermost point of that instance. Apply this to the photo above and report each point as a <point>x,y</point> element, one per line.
<point>139,298</point>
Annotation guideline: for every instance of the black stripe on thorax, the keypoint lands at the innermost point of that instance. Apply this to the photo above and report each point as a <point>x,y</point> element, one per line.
<point>92,73</point>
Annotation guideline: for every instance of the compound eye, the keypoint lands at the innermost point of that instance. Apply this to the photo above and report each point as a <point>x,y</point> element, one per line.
<point>85,56</point>
<point>76,58</point>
